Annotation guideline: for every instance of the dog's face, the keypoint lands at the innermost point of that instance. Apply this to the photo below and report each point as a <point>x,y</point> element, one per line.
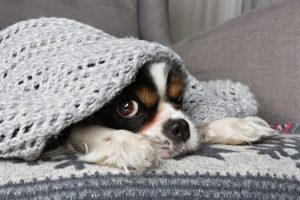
<point>151,106</point>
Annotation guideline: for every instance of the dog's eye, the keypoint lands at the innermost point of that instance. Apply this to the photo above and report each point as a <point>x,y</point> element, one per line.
<point>128,108</point>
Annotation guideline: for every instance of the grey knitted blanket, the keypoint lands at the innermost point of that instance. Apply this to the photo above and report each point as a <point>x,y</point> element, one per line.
<point>54,72</point>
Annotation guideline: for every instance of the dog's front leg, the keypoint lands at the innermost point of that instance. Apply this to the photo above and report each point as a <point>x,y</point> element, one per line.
<point>116,148</point>
<point>236,131</point>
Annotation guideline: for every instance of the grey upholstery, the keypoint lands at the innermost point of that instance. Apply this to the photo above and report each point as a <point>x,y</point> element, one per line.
<point>153,21</point>
<point>145,19</point>
<point>119,18</point>
<point>260,49</point>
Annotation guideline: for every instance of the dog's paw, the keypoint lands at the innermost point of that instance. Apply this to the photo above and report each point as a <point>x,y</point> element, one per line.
<point>122,149</point>
<point>236,131</point>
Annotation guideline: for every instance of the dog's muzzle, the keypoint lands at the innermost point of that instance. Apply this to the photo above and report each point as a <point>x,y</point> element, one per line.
<point>177,130</point>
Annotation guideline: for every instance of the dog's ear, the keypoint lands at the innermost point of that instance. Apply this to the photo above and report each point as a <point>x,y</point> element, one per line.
<point>147,95</point>
<point>176,83</point>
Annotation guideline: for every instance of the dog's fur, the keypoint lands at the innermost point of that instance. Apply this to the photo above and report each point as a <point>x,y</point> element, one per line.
<point>153,126</point>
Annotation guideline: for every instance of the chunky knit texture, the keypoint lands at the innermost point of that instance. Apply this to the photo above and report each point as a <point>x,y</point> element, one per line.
<point>54,72</point>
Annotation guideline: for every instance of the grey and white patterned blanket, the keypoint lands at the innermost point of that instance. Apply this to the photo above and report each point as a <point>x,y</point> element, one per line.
<point>268,170</point>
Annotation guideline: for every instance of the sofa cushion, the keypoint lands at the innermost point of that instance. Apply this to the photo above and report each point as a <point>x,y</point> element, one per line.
<point>260,49</point>
<point>154,21</point>
<point>119,18</point>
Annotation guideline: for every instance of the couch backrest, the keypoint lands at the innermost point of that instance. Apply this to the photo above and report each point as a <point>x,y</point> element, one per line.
<point>154,21</point>
<point>139,18</point>
<point>113,16</point>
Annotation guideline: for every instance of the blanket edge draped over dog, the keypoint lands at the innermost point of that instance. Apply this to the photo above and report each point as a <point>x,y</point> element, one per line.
<point>55,72</point>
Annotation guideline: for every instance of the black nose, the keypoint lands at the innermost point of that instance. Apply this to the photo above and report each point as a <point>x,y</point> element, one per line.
<point>177,130</point>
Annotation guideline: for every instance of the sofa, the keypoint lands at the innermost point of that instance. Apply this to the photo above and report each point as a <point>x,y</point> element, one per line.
<point>259,49</point>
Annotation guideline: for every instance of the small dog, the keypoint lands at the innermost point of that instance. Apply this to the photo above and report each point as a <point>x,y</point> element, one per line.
<point>145,123</point>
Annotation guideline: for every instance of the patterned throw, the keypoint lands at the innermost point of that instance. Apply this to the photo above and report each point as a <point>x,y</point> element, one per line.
<point>267,170</point>
<point>54,72</point>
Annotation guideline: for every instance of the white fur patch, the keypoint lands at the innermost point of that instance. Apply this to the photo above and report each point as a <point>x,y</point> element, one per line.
<point>157,71</point>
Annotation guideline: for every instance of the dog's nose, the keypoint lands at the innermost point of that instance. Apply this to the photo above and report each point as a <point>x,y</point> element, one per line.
<point>177,130</point>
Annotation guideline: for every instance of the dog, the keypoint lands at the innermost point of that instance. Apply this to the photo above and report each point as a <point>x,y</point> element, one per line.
<point>145,123</point>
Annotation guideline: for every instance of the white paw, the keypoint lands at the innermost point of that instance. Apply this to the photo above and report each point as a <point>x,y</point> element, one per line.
<point>237,130</point>
<point>121,149</point>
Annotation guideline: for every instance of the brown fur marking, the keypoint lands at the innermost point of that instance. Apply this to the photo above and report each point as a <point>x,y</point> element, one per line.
<point>176,86</point>
<point>147,96</point>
